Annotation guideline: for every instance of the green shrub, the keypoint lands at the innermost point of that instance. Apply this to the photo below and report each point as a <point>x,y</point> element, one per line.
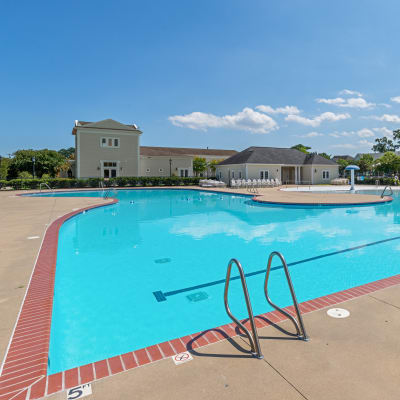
<point>24,175</point>
<point>66,183</point>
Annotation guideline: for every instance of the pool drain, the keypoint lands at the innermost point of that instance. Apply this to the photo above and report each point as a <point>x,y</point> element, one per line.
<point>338,313</point>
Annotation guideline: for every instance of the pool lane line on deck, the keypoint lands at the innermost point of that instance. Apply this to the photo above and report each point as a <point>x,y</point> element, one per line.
<point>162,296</point>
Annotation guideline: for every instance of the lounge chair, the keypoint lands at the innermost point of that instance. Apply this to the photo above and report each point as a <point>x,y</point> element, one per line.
<point>233,184</point>
<point>264,183</point>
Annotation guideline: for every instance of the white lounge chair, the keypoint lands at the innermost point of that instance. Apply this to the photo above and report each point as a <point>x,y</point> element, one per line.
<point>233,184</point>
<point>278,182</point>
<point>263,183</point>
<point>259,183</point>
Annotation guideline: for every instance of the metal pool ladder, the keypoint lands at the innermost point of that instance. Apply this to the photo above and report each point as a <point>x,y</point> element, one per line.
<point>383,193</point>
<point>299,325</point>
<point>45,184</point>
<point>253,338</point>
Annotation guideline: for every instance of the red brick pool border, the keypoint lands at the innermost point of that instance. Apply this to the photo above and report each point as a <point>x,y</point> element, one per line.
<point>24,372</point>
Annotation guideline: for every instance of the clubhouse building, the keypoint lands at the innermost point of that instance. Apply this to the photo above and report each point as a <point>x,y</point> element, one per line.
<point>110,149</point>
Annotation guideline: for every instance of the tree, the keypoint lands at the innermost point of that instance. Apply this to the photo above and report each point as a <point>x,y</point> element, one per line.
<point>301,148</point>
<point>388,163</point>
<point>4,165</point>
<point>199,165</point>
<point>213,165</point>
<point>365,163</point>
<point>383,145</point>
<point>342,165</point>
<point>325,155</point>
<point>68,153</point>
<point>46,162</point>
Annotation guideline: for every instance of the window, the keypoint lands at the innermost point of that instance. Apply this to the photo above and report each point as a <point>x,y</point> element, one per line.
<point>160,170</point>
<point>109,164</point>
<point>109,142</point>
<point>264,174</point>
<point>233,174</point>
<point>240,174</point>
<point>325,174</point>
<point>147,169</point>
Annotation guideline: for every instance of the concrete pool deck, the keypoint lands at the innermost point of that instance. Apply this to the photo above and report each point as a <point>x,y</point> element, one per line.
<point>305,373</point>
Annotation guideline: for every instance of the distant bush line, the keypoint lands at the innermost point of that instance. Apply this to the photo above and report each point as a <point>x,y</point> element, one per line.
<point>70,183</point>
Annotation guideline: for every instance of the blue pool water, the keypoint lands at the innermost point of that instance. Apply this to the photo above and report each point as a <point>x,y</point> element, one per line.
<point>112,259</point>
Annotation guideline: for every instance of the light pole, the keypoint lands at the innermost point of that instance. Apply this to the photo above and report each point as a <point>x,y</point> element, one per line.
<point>1,176</point>
<point>33,166</point>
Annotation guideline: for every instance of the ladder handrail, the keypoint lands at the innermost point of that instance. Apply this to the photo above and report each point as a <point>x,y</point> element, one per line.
<point>300,330</point>
<point>383,193</point>
<point>253,339</point>
<point>45,184</point>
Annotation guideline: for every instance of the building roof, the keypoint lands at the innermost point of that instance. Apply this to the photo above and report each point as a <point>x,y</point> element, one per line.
<point>183,151</point>
<point>109,124</point>
<point>374,155</point>
<point>276,155</point>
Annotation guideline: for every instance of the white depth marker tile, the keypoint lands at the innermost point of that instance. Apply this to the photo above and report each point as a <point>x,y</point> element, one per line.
<point>79,391</point>
<point>33,237</point>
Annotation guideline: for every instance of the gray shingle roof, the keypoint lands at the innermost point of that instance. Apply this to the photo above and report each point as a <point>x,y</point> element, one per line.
<point>275,155</point>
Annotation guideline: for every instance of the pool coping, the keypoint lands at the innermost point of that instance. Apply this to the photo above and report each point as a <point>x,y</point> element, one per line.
<point>23,373</point>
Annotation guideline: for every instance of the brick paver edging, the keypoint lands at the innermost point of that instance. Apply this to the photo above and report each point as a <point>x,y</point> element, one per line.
<point>24,373</point>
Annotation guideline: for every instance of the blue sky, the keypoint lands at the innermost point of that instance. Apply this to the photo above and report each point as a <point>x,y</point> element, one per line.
<point>222,74</point>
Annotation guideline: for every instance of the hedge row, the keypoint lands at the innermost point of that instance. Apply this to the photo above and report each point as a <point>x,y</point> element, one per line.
<point>382,181</point>
<point>62,183</point>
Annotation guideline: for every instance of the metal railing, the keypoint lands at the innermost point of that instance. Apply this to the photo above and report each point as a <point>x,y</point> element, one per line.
<point>299,325</point>
<point>383,193</point>
<point>253,338</point>
<point>45,184</point>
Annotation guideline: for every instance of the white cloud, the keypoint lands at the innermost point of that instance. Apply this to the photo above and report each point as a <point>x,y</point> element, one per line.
<point>278,110</point>
<point>314,122</point>
<point>395,99</point>
<point>350,92</point>
<point>353,102</point>
<point>385,131</point>
<point>310,135</point>
<point>365,133</point>
<point>365,143</point>
<point>360,144</point>
<point>336,101</point>
<point>387,118</point>
<point>246,120</point>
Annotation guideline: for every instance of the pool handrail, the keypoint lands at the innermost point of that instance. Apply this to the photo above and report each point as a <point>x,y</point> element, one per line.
<point>45,184</point>
<point>253,338</point>
<point>299,325</point>
<point>383,193</point>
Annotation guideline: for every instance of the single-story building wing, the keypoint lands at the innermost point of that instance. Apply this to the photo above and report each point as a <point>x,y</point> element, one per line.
<point>288,165</point>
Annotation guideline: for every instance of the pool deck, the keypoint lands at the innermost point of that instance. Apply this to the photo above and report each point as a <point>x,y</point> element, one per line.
<point>353,358</point>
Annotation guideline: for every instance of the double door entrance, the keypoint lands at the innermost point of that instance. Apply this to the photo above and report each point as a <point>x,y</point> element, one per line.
<point>109,169</point>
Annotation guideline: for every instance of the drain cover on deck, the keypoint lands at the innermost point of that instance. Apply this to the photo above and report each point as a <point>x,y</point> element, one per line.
<point>198,296</point>
<point>338,313</point>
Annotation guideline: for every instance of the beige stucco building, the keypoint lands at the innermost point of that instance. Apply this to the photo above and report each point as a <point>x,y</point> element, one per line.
<point>287,165</point>
<point>108,149</point>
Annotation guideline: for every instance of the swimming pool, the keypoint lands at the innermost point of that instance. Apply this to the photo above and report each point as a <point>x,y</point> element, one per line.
<point>151,267</point>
